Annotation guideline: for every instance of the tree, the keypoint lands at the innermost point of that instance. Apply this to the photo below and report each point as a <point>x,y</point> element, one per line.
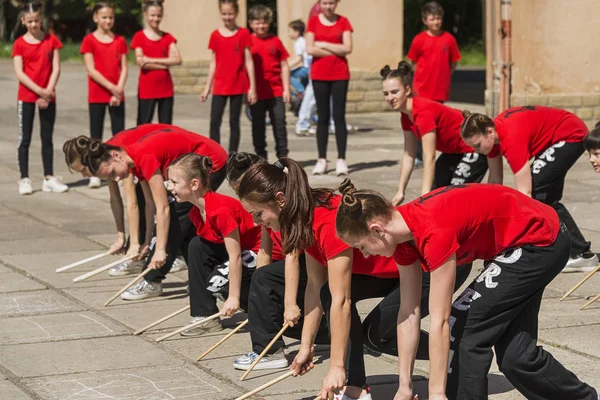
<point>3,19</point>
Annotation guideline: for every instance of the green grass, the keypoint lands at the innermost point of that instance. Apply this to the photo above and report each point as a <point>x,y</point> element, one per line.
<point>69,52</point>
<point>473,54</point>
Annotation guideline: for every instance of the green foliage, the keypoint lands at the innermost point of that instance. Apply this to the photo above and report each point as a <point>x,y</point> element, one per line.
<point>69,52</point>
<point>473,54</point>
<point>130,7</point>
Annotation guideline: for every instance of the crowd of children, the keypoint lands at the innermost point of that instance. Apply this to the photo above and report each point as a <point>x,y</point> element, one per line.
<point>287,253</point>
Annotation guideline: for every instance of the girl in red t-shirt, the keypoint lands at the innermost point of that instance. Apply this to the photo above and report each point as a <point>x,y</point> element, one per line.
<point>36,61</point>
<point>525,246</point>
<point>222,258</point>
<point>438,128</point>
<point>230,74</point>
<point>329,41</point>
<point>156,52</point>
<point>591,144</point>
<point>105,58</point>
<point>278,196</point>
<point>553,140</point>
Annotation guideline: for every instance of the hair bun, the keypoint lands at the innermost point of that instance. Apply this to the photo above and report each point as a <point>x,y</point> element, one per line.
<point>404,67</point>
<point>385,71</point>
<point>207,163</point>
<point>466,114</point>
<point>347,190</point>
<point>95,149</point>
<point>597,125</point>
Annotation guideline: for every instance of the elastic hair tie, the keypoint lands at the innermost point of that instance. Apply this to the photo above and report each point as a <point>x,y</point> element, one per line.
<point>279,165</point>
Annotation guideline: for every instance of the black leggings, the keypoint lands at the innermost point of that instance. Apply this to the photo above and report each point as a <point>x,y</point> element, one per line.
<point>337,91</point>
<point>456,169</point>
<point>97,113</point>
<point>216,116</point>
<point>146,110</point>
<point>276,109</point>
<point>25,115</point>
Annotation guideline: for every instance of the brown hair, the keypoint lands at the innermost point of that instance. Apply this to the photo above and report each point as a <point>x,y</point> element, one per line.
<point>263,181</point>
<point>475,124</point>
<point>102,4</point>
<point>74,149</point>
<point>432,8</point>
<point>152,3</point>
<point>96,154</point>
<point>238,164</point>
<point>358,208</point>
<point>404,73</point>
<point>233,3</point>
<point>298,25</point>
<point>592,140</point>
<point>32,7</point>
<point>260,12</point>
<point>194,166</point>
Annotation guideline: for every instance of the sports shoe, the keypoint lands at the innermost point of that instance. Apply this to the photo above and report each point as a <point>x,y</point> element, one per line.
<point>276,360</point>
<point>342,396</point>
<point>25,186</point>
<point>53,184</point>
<point>95,183</point>
<point>341,168</point>
<point>143,290</point>
<point>179,264</point>
<point>312,130</point>
<point>302,132</point>
<point>207,327</point>
<point>586,262</point>
<point>320,167</point>
<point>126,268</point>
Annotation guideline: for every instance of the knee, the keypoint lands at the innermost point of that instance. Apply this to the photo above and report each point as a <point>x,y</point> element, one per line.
<point>195,249</point>
<point>515,358</point>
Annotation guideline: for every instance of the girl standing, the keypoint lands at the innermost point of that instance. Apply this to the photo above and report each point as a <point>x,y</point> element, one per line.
<point>438,128</point>
<point>230,74</point>
<point>553,139</point>
<point>105,57</point>
<point>155,51</point>
<point>525,246</point>
<point>36,61</point>
<point>329,41</point>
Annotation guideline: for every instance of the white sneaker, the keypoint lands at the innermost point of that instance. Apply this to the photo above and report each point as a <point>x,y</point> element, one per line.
<point>126,268</point>
<point>341,168</point>
<point>25,186</point>
<point>312,130</point>
<point>143,290</point>
<point>95,183</point>
<point>207,327</point>
<point>53,184</point>
<point>276,360</point>
<point>581,263</point>
<point>342,396</point>
<point>320,167</point>
<point>179,265</point>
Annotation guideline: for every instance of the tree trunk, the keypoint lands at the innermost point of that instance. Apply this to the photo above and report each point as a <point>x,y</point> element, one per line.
<point>3,18</point>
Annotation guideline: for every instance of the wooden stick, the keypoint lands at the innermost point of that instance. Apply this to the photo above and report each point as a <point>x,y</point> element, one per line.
<point>285,326</point>
<point>266,385</point>
<point>130,284</point>
<point>102,269</point>
<point>220,342</point>
<point>189,326</point>
<point>588,276</point>
<point>84,261</point>
<point>160,321</point>
<point>590,302</point>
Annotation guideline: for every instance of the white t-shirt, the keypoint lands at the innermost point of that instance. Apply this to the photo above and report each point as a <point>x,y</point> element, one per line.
<point>300,50</point>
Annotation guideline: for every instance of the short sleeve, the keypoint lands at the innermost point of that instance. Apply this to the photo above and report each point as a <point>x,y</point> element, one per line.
<point>437,246</point>
<point>495,151</point>
<point>247,39</point>
<point>300,46</point>
<point>87,45</point>
<point>56,43</point>
<point>406,123</point>
<point>170,38</point>
<point>17,49</point>
<point>123,45</point>
<point>148,165</point>
<point>516,154</point>
<point>425,122</point>
<point>136,42</point>
<point>414,52</point>
<point>282,50</point>
<point>405,255</point>
<point>346,26</point>
<point>329,242</point>
<point>224,221</point>
<point>312,24</point>
<point>454,52</point>
<point>212,42</point>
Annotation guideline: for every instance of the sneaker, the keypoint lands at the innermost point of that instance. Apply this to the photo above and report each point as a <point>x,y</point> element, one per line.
<point>302,132</point>
<point>342,396</point>
<point>53,184</point>
<point>143,290</point>
<point>320,167</point>
<point>207,327</point>
<point>25,186</point>
<point>586,262</point>
<point>276,360</point>
<point>341,168</point>
<point>312,130</point>
<point>126,268</point>
<point>179,264</point>
<point>95,183</point>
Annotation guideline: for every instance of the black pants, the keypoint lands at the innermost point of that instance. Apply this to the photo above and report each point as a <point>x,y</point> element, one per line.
<point>25,115</point>
<point>337,91</point>
<point>97,113</point>
<point>276,109</point>
<point>146,110</point>
<point>548,171</point>
<point>456,169</point>
<point>500,309</point>
<point>216,116</point>
<point>266,306</point>
<point>208,273</point>
<point>141,203</point>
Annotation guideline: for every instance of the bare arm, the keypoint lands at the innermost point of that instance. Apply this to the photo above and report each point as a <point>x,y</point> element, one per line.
<point>116,205</point>
<point>285,77</point>
<point>523,180</point>
<point>23,78</point>
<point>496,174</point>
<point>341,50</point>
<point>55,71</point>
<point>133,214</point>
<point>157,187</point>
<point>143,63</point>
<point>291,313</point>
<point>251,75</point>
<point>428,141</point>
<point>407,164</point>
<point>234,251</point>
<point>150,212</point>
<point>265,253</point>
<point>124,72</point>
<point>295,61</point>
<point>312,49</point>
<point>173,59</point>
<point>88,59</point>
<point>317,276</point>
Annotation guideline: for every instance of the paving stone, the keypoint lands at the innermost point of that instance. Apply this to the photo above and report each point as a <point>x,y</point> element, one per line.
<point>34,303</point>
<point>15,282</point>
<point>9,391</point>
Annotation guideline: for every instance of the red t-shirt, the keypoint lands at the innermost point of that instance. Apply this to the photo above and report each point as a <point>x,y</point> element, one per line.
<point>154,84</point>
<point>328,245</point>
<point>433,55</point>
<point>268,53</point>
<point>484,221</point>
<point>277,251</point>
<point>157,150</point>
<point>223,215</point>
<point>107,61</point>
<point>527,131</point>
<point>429,115</point>
<point>37,63</point>
<point>130,136</point>
<point>231,77</point>
<point>330,68</point>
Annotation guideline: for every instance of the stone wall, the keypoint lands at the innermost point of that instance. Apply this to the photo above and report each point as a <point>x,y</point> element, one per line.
<point>585,105</point>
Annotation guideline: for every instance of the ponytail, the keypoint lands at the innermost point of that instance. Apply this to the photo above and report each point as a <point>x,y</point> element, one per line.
<point>475,124</point>
<point>194,166</point>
